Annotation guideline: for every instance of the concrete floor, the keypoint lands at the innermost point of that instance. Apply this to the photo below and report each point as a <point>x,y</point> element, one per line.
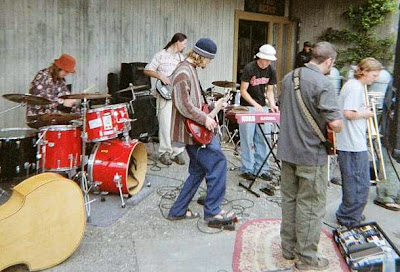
<point>141,239</point>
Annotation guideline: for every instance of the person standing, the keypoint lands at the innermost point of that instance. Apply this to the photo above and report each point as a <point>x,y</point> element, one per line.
<point>304,157</point>
<point>161,67</point>
<point>303,56</point>
<point>50,83</point>
<point>205,161</point>
<point>257,82</point>
<point>352,143</point>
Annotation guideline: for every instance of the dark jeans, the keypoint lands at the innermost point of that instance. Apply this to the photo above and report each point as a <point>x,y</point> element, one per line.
<point>209,163</point>
<point>355,186</point>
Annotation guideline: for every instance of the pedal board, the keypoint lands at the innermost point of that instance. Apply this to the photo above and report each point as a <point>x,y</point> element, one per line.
<point>367,248</point>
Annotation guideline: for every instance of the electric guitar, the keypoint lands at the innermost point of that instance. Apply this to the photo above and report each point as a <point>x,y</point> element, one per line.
<point>330,144</point>
<point>164,90</point>
<point>200,133</point>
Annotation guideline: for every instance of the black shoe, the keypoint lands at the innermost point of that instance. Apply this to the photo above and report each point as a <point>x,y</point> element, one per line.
<point>266,176</point>
<point>201,200</point>
<point>248,176</point>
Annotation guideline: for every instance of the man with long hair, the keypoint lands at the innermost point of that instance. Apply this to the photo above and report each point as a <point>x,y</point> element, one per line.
<point>305,158</point>
<point>205,161</point>
<point>50,83</point>
<point>161,67</point>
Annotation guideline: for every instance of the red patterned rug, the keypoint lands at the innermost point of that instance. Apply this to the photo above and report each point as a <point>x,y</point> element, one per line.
<point>258,248</point>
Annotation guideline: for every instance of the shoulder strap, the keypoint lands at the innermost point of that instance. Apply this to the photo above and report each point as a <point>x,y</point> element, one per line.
<point>303,107</point>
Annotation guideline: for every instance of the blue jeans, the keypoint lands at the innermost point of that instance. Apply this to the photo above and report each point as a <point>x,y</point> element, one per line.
<point>209,163</point>
<point>355,186</point>
<point>250,134</point>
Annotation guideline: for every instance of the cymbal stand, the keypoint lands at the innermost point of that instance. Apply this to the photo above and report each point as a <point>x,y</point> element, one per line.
<point>12,108</point>
<point>225,127</point>
<point>38,156</point>
<point>82,175</point>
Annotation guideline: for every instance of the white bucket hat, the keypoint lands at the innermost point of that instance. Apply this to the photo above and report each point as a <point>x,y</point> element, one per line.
<point>267,52</point>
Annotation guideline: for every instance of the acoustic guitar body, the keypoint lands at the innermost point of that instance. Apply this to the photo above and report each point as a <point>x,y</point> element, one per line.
<point>42,223</point>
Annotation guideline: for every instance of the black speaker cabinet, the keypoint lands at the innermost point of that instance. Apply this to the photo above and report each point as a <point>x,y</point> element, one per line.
<point>146,124</point>
<point>133,73</point>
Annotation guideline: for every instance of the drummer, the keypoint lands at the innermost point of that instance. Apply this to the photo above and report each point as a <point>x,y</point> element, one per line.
<point>50,83</point>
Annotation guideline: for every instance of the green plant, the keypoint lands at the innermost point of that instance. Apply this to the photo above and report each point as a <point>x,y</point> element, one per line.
<point>359,40</point>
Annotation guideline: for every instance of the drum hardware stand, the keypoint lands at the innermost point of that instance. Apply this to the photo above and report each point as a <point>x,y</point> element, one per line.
<point>38,156</point>
<point>12,108</point>
<point>82,175</point>
<point>117,181</point>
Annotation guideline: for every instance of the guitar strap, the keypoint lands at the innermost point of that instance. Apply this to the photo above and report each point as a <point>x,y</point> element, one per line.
<point>303,107</point>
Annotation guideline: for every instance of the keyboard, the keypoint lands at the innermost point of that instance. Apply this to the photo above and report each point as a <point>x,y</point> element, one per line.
<point>258,117</point>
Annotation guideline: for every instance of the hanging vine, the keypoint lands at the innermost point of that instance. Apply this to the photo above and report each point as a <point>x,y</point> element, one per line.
<point>360,38</point>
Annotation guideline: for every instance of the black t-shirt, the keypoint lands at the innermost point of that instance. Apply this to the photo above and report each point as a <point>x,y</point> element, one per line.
<point>258,79</point>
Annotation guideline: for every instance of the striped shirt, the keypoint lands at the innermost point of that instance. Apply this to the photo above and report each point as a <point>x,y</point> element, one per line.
<point>187,102</point>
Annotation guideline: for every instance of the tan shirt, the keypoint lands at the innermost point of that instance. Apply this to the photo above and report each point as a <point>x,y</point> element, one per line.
<point>165,62</point>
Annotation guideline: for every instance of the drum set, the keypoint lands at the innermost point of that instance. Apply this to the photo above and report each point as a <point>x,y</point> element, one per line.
<point>115,162</point>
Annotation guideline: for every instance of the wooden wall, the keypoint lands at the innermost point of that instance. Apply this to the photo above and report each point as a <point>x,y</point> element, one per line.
<point>101,34</point>
<point>315,16</point>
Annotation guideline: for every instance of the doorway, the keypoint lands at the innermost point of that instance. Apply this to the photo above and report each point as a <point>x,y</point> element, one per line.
<point>252,30</point>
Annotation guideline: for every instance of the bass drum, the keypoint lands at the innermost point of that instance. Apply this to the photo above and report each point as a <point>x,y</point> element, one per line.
<point>18,152</point>
<point>115,160</point>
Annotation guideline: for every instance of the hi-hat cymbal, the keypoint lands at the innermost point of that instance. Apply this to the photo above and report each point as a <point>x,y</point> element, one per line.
<point>132,88</point>
<point>225,84</point>
<point>27,98</point>
<point>85,95</point>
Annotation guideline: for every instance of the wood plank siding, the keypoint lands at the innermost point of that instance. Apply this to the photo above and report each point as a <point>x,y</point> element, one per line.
<point>101,34</point>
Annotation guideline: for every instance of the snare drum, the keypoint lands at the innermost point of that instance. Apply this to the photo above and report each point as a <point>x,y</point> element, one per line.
<point>60,147</point>
<point>17,152</point>
<point>100,124</point>
<point>115,160</point>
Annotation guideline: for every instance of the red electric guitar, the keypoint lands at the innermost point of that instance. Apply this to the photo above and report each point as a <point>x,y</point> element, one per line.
<point>331,148</point>
<point>200,133</point>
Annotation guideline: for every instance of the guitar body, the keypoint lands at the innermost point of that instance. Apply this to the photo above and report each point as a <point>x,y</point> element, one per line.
<point>42,223</point>
<point>199,133</point>
<point>164,90</point>
<point>331,149</point>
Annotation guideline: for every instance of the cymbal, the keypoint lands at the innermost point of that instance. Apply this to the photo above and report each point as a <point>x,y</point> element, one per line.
<point>132,88</point>
<point>59,117</point>
<point>216,95</point>
<point>85,95</point>
<point>225,84</point>
<point>27,98</point>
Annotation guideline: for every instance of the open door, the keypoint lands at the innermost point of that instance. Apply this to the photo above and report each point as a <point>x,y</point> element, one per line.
<point>253,30</point>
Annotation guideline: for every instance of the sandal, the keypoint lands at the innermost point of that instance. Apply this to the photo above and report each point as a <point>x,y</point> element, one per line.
<point>188,215</point>
<point>222,218</point>
<point>389,206</point>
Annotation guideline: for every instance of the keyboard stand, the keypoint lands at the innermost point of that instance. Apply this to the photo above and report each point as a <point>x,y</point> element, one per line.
<point>271,148</point>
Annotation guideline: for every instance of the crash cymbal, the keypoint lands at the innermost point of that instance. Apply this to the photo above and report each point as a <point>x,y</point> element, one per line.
<point>132,88</point>
<point>59,117</point>
<point>225,84</point>
<point>85,95</point>
<point>27,98</point>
